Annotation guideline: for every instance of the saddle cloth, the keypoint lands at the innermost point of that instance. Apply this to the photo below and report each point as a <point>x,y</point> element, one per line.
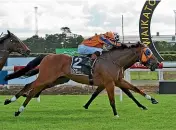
<point>82,65</point>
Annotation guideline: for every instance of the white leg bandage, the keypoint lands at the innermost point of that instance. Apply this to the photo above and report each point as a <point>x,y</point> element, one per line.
<point>21,109</point>
<point>13,99</point>
<point>148,97</point>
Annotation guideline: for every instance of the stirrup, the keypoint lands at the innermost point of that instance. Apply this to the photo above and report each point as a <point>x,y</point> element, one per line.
<point>88,64</point>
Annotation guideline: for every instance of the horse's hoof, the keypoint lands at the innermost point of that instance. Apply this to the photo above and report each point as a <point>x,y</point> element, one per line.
<point>117,116</point>
<point>86,107</point>
<point>7,101</point>
<point>154,101</point>
<point>25,95</point>
<point>17,113</point>
<point>144,108</point>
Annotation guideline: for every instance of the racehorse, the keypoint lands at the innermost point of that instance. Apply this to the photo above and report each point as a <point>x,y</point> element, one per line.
<point>10,43</point>
<point>107,72</point>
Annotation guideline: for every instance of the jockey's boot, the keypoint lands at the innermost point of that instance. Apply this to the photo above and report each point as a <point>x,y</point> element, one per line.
<point>92,58</point>
<point>95,55</point>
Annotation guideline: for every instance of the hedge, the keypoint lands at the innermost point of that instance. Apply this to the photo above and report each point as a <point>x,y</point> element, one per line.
<point>167,52</point>
<point>169,57</point>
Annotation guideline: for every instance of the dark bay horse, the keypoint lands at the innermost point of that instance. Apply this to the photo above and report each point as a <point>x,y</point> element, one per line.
<point>108,72</point>
<point>11,43</point>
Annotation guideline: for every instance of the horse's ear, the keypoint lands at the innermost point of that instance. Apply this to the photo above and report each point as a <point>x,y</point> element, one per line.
<point>1,34</point>
<point>139,42</point>
<point>8,32</point>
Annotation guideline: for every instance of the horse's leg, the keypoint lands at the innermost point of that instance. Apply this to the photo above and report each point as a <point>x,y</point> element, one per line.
<point>126,91</point>
<point>125,84</point>
<point>50,70</point>
<point>110,90</point>
<point>32,64</point>
<point>94,95</point>
<point>21,109</point>
<point>32,72</point>
<point>20,93</point>
<point>60,80</point>
<point>31,94</point>
<point>36,88</point>
<point>130,95</point>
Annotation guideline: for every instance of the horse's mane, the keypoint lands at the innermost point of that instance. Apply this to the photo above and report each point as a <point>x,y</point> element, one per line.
<point>3,38</point>
<point>125,46</point>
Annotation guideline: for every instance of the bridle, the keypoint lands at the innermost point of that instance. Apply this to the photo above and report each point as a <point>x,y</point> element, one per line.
<point>146,55</point>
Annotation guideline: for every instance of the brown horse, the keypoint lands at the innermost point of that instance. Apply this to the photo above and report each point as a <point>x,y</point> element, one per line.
<point>11,43</point>
<point>107,73</point>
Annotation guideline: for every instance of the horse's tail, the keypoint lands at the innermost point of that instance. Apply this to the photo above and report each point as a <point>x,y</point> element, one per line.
<point>31,65</point>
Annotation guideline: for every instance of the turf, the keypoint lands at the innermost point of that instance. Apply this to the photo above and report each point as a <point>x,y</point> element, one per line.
<point>66,113</point>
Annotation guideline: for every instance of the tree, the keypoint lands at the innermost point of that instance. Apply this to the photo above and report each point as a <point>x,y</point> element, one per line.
<point>50,42</point>
<point>65,30</point>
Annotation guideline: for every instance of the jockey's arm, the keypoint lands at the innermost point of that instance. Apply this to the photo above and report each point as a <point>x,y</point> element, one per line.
<point>107,41</point>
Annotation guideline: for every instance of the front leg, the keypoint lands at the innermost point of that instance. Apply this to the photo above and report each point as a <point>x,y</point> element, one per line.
<point>124,84</point>
<point>110,90</point>
<point>94,95</point>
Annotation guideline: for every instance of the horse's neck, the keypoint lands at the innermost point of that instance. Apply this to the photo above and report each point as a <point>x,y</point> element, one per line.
<point>2,50</point>
<point>125,57</point>
<point>3,60</point>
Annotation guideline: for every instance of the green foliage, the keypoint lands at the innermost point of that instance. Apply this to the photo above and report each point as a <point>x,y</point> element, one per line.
<point>164,46</point>
<point>169,57</point>
<point>65,30</point>
<point>66,39</point>
<point>50,42</point>
<point>167,52</point>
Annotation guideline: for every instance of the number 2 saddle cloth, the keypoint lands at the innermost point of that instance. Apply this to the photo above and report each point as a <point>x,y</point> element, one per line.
<point>82,65</point>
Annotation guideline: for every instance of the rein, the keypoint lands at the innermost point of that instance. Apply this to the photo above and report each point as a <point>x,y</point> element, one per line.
<point>116,61</point>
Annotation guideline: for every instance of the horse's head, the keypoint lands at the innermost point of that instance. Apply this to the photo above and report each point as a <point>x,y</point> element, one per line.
<point>147,58</point>
<point>12,43</point>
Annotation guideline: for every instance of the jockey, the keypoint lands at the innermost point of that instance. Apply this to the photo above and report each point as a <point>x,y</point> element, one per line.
<point>96,44</point>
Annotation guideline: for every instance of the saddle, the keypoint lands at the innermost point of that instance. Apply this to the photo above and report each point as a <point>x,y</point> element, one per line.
<point>83,65</point>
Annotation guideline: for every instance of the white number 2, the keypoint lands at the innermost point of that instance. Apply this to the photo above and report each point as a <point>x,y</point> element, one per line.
<point>77,61</point>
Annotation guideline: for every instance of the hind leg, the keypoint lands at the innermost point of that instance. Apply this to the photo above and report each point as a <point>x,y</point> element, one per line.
<point>36,87</point>
<point>20,93</point>
<point>28,67</point>
<point>123,83</point>
<point>31,94</point>
<point>60,80</point>
<point>130,95</point>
